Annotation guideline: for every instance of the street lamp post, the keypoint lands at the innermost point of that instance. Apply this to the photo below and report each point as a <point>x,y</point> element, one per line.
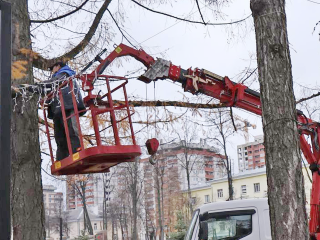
<point>5,118</point>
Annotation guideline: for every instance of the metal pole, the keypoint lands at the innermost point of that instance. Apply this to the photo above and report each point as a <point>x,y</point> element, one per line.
<point>5,119</point>
<point>61,228</point>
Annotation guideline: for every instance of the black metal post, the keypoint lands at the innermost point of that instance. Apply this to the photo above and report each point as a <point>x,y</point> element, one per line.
<point>5,119</point>
<point>61,228</point>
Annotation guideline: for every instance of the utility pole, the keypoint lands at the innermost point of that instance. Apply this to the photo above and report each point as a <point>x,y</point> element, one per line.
<point>5,119</point>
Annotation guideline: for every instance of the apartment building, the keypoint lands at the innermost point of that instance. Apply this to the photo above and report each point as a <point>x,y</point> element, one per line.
<point>169,176</point>
<point>251,155</point>
<point>53,201</point>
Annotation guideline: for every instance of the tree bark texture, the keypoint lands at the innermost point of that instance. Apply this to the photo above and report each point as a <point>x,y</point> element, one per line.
<point>28,220</point>
<point>283,157</point>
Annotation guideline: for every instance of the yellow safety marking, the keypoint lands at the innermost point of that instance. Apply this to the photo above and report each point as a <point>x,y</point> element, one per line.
<point>75,156</point>
<point>118,50</point>
<point>57,165</point>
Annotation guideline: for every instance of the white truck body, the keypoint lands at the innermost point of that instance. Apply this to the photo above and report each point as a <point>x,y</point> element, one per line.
<point>231,220</point>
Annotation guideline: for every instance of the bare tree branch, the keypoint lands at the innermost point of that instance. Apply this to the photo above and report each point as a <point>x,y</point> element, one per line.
<point>70,5</point>
<point>200,12</point>
<point>120,29</point>
<point>60,17</point>
<point>308,98</point>
<point>249,75</point>
<point>170,104</point>
<point>232,119</point>
<point>43,63</point>
<point>190,21</point>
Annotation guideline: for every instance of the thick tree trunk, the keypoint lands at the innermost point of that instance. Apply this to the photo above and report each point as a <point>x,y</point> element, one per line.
<point>28,220</point>
<point>283,158</point>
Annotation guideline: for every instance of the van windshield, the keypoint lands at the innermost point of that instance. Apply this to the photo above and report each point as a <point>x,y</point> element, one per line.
<point>226,225</point>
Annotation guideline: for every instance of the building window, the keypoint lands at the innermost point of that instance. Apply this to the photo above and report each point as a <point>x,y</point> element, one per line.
<point>95,226</point>
<point>220,193</point>
<point>206,198</point>
<point>193,200</point>
<point>244,189</point>
<point>256,187</point>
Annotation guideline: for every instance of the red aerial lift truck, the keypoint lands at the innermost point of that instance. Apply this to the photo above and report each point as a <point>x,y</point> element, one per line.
<point>100,158</point>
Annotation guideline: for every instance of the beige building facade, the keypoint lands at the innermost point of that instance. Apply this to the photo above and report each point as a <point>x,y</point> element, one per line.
<point>53,201</point>
<point>248,184</point>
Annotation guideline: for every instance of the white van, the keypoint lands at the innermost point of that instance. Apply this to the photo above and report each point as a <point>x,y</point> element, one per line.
<point>231,220</point>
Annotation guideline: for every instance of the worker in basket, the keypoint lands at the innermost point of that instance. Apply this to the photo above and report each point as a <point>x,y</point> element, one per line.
<point>61,71</point>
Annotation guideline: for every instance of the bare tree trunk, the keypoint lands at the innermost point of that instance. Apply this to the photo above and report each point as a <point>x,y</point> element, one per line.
<point>112,223</point>
<point>283,158</point>
<point>229,174</point>
<point>189,188</point>
<point>121,223</point>
<point>87,222</point>
<point>135,200</point>
<point>158,187</point>
<point>28,220</point>
<point>227,163</point>
<point>126,225</point>
<point>162,205</point>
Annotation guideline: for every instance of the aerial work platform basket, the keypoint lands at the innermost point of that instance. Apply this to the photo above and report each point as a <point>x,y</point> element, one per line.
<point>101,147</point>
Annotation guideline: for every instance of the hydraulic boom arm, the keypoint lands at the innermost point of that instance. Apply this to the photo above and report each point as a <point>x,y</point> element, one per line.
<point>230,94</point>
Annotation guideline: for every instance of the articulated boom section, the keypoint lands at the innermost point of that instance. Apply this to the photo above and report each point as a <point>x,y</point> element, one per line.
<point>230,94</point>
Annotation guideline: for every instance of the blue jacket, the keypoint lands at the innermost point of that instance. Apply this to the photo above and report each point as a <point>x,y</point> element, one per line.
<point>54,109</point>
<point>66,69</point>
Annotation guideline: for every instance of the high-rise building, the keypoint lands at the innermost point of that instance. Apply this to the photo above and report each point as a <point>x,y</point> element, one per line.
<point>165,180</point>
<point>251,155</point>
<point>53,201</point>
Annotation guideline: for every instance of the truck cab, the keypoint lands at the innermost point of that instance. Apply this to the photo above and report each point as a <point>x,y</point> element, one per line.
<point>231,220</point>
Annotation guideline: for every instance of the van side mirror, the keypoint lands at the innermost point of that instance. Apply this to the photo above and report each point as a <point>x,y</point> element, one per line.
<point>203,231</point>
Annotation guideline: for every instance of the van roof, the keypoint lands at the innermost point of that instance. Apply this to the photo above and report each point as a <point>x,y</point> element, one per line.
<point>235,204</point>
